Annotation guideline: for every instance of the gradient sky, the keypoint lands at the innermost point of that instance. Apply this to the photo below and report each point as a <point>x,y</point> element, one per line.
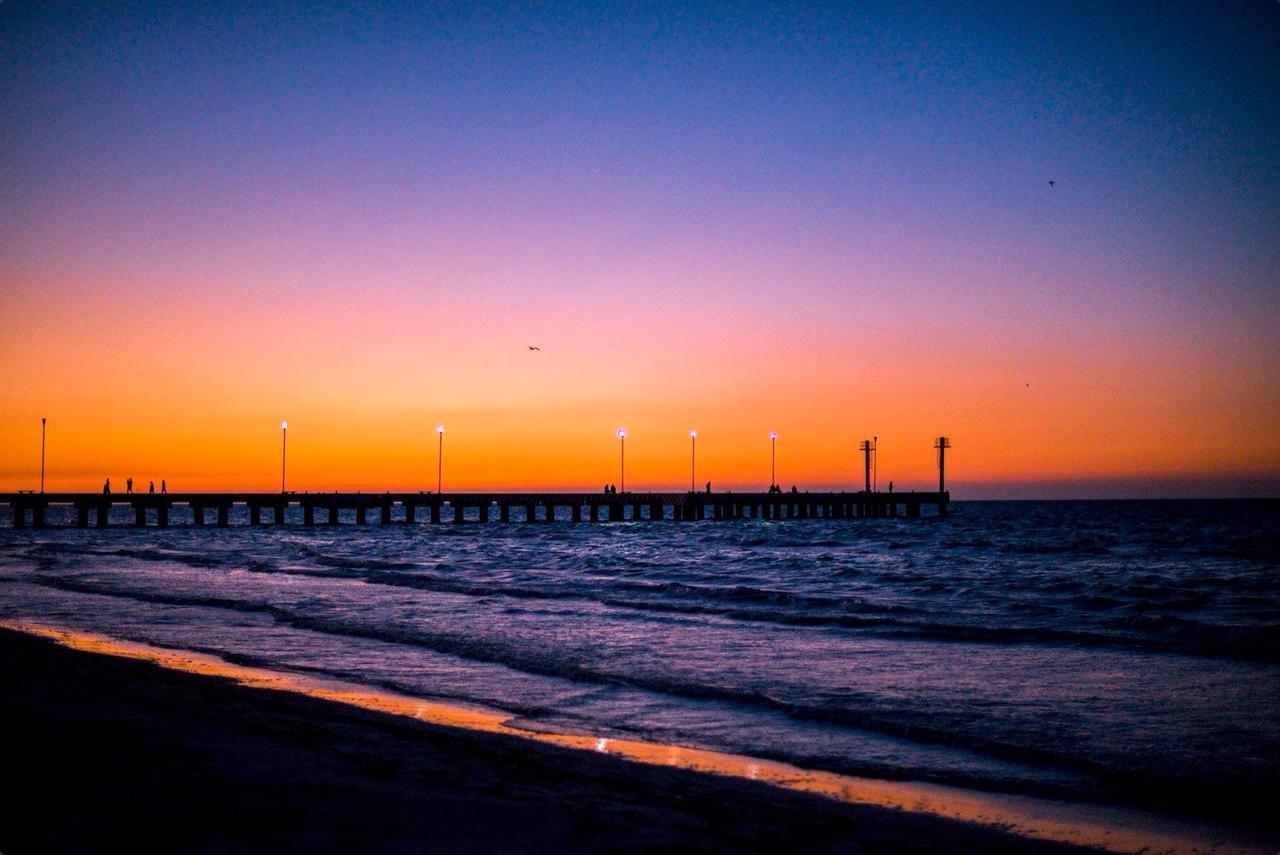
<point>831,221</point>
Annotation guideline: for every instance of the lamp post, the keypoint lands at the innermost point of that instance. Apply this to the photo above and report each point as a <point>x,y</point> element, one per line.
<point>284,446</point>
<point>42,421</point>
<point>693,460</point>
<point>875,463</point>
<point>865,448</point>
<point>622,456</point>
<point>773,459</point>
<point>439,457</point>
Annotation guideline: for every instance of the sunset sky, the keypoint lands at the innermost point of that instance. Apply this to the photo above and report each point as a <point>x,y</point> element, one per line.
<point>831,221</point>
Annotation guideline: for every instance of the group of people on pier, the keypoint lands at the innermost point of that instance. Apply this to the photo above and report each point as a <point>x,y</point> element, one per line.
<point>128,487</point>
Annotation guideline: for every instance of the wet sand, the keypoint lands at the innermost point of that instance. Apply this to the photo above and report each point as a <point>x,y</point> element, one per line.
<point>110,752</point>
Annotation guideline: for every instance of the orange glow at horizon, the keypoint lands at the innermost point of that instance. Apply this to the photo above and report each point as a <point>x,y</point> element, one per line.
<point>191,387</point>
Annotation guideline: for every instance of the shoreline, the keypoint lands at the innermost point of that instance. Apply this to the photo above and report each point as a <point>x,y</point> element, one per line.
<point>900,809</point>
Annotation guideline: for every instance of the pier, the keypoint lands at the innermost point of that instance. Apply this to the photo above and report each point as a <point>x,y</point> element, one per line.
<point>200,509</point>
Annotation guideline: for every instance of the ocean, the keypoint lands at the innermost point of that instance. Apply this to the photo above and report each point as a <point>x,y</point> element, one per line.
<point>1114,652</point>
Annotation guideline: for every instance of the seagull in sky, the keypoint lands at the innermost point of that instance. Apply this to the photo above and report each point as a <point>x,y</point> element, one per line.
<point>1051,184</point>
<point>531,347</point>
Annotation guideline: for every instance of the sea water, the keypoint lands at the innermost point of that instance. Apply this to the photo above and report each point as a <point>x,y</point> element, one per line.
<point>1101,651</point>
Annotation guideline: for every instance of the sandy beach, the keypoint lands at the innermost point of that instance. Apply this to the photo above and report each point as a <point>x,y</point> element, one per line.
<point>113,754</point>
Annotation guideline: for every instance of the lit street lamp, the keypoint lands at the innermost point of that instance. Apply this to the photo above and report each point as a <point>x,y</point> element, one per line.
<point>284,446</point>
<point>773,459</point>
<point>693,460</point>
<point>622,450</point>
<point>439,458</point>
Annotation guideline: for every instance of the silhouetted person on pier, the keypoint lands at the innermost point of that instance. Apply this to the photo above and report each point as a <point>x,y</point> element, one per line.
<point>151,487</point>
<point>890,486</point>
<point>128,485</point>
<point>106,487</point>
<point>708,486</point>
<point>164,488</point>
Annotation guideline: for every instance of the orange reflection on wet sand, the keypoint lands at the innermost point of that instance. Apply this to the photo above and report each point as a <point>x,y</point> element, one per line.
<point>1109,828</point>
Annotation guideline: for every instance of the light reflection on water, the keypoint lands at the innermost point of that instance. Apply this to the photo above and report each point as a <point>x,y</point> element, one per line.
<point>1115,830</point>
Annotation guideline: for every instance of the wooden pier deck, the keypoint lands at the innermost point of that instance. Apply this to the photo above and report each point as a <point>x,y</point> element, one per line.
<point>93,509</point>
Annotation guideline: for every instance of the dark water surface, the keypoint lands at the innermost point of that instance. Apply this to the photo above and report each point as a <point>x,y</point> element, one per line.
<point>1112,651</point>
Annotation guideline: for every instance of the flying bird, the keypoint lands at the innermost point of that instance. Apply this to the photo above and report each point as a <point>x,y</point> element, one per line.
<point>1028,385</point>
<point>531,347</point>
<point>1051,184</point>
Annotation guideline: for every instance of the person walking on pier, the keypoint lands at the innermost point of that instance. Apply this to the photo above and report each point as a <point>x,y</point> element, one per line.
<point>708,486</point>
<point>106,487</point>
<point>164,488</point>
<point>890,486</point>
<point>128,485</point>
<point>151,487</point>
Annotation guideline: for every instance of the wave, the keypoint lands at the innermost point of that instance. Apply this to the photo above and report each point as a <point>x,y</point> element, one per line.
<point>921,725</point>
<point>1150,633</point>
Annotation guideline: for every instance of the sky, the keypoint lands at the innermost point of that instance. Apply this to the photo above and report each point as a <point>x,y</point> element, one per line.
<point>832,221</point>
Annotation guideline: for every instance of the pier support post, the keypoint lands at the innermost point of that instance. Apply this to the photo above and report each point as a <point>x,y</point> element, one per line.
<point>530,514</point>
<point>19,515</point>
<point>361,515</point>
<point>279,513</point>
<point>308,513</point>
<point>103,512</point>
<point>577,512</point>
<point>504,513</point>
<point>162,515</point>
<point>457,512</point>
<point>333,514</point>
<point>139,514</point>
<point>255,515</point>
<point>435,511</point>
<point>409,513</point>
<point>82,516</point>
<point>386,512</point>
<point>197,514</point>
<point>224,514</point>
<point>37,515</point>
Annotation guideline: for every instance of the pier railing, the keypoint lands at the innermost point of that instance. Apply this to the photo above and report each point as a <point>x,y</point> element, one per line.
<point>93,509</point>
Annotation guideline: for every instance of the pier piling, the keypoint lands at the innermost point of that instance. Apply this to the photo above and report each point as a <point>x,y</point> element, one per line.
<point>33,512</point>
